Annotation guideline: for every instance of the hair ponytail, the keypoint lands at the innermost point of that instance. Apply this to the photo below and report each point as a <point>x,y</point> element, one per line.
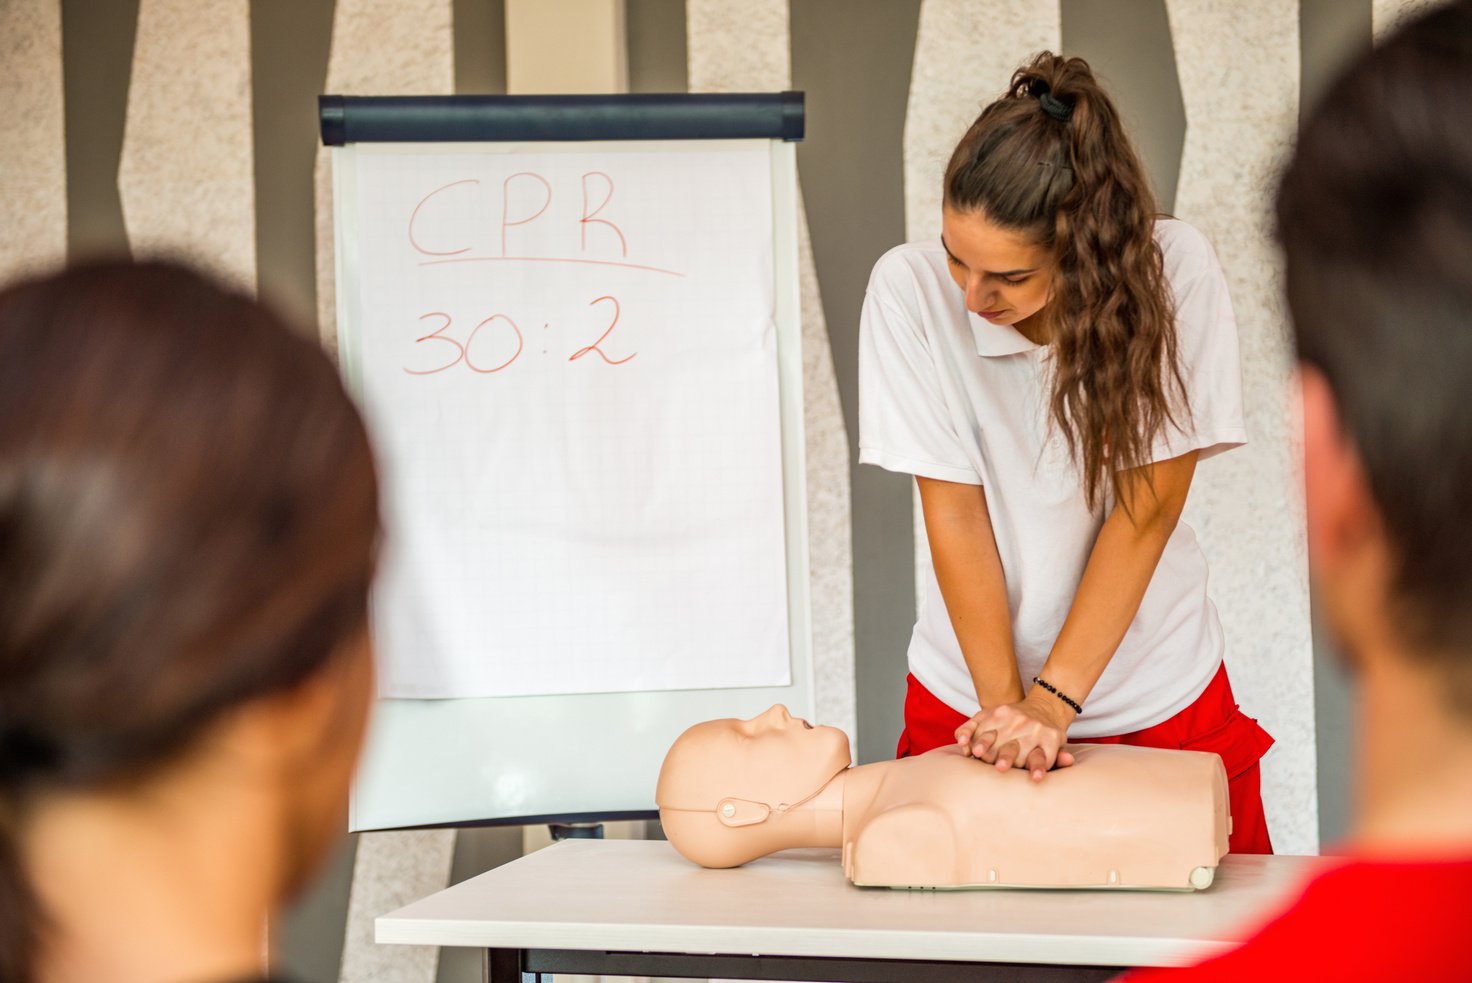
<point>1051,159</point>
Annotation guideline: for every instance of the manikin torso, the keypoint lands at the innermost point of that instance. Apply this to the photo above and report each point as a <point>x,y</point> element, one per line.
<point>1120,817</point>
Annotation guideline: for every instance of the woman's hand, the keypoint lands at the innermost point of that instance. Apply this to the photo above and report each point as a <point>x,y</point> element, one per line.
<point>1029,734</point>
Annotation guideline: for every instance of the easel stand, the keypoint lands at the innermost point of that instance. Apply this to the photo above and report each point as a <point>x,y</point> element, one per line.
<point>575,831</point>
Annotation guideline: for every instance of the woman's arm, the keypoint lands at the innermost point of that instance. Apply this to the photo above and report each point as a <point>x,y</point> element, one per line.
<point>968,569</point>
<point>1029,733</point>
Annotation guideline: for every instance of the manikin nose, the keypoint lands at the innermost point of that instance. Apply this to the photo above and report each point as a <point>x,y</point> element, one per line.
<point>777,716</point>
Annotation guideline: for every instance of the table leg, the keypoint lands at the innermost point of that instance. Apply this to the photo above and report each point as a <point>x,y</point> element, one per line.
<point>504,966</point>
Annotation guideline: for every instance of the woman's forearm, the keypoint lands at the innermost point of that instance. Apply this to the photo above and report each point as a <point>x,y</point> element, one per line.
<point>968,569</point>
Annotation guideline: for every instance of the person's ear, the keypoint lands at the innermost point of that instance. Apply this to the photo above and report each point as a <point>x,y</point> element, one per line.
<point>299,728</point>
<point>1341,513</point>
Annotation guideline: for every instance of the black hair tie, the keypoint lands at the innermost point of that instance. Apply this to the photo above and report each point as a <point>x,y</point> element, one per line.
<point>1055,107</point>
<point>1052,105</point>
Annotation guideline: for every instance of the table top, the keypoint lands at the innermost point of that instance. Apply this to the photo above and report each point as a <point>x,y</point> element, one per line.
<point>632,895</point>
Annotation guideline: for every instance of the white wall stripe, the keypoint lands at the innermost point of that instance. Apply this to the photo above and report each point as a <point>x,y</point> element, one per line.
<point>389,871</point>
<point>187,175</point>
<point>1239,71</point>
<point>33,152</point>
<point>738,45</point>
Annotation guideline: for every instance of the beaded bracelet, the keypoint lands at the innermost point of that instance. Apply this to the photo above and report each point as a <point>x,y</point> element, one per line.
<point>1052,689</point>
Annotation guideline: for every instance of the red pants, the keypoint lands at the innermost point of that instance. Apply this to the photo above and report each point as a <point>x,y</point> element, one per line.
<point>1212,723</point>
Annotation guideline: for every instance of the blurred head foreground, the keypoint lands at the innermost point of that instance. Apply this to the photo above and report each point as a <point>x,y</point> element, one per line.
<point>1375,217</point>
<point>188,520</point>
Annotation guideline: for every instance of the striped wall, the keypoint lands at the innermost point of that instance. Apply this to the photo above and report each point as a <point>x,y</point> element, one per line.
<point>186,177</point>
<point>1385,14</point>
<point>1238,67</point>
<point>186,127</point>
<point>33,153</point>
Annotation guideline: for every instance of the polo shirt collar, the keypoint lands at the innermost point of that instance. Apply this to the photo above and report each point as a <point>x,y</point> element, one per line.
<point>993,340</point>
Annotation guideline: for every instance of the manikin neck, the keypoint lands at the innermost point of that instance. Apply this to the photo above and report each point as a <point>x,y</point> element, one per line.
<point>820,818</point>
<point>1414,794</point>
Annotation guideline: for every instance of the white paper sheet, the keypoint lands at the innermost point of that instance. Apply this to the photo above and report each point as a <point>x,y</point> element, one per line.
<point>568,363</point>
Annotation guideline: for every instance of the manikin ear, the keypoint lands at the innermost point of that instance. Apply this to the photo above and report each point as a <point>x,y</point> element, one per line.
<point>741,812</point>
<point>1342,518</point>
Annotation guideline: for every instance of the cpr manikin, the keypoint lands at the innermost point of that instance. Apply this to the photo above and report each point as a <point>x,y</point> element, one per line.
<point>1120,817</point>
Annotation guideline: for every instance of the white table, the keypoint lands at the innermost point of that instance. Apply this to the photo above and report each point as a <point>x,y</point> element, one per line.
<point>636,908</point>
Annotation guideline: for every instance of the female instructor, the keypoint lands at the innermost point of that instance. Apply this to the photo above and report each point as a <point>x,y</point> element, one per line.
<point>1051,370</point>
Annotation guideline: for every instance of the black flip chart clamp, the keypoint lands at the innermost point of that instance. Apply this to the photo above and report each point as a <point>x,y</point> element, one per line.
<point>637,116</point>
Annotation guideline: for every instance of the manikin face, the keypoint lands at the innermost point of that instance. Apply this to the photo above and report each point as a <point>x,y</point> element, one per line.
<point>725,783</point>
<point>773,758</point>
<point>1005,275</point>
<point>779,743</point>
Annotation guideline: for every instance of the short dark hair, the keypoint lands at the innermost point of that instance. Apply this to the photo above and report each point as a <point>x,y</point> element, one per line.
<point>1375,219</point>
<point>188,521</point>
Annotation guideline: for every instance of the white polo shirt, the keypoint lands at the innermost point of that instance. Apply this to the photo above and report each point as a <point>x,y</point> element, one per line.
<point>945,394</point>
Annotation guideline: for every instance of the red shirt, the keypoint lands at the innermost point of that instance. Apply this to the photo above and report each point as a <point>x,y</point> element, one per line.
<point>1363,921</point>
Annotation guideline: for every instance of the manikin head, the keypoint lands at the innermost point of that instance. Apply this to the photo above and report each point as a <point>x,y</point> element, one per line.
<point>727,786</point>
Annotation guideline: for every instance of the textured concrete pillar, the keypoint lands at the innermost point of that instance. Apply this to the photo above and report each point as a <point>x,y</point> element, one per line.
<point>390,871</point>
<point>187,174</point>
<point>1239,71</point>
<point>33,152</point>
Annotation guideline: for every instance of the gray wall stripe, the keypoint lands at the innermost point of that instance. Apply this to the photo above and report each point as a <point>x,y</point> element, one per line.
<point>1128,45</point>
<point>97,55</point>
<point>288,53</point>
<point>852,58</point>
<point>480,47</point>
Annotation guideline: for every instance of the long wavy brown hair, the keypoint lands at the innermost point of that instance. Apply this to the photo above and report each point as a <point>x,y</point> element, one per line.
<point>1051,159</point>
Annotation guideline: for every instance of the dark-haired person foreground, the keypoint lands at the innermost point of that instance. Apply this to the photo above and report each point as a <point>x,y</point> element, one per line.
<point>1375,217</point>
<point>1051,370</point>
<point>188,522</point>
